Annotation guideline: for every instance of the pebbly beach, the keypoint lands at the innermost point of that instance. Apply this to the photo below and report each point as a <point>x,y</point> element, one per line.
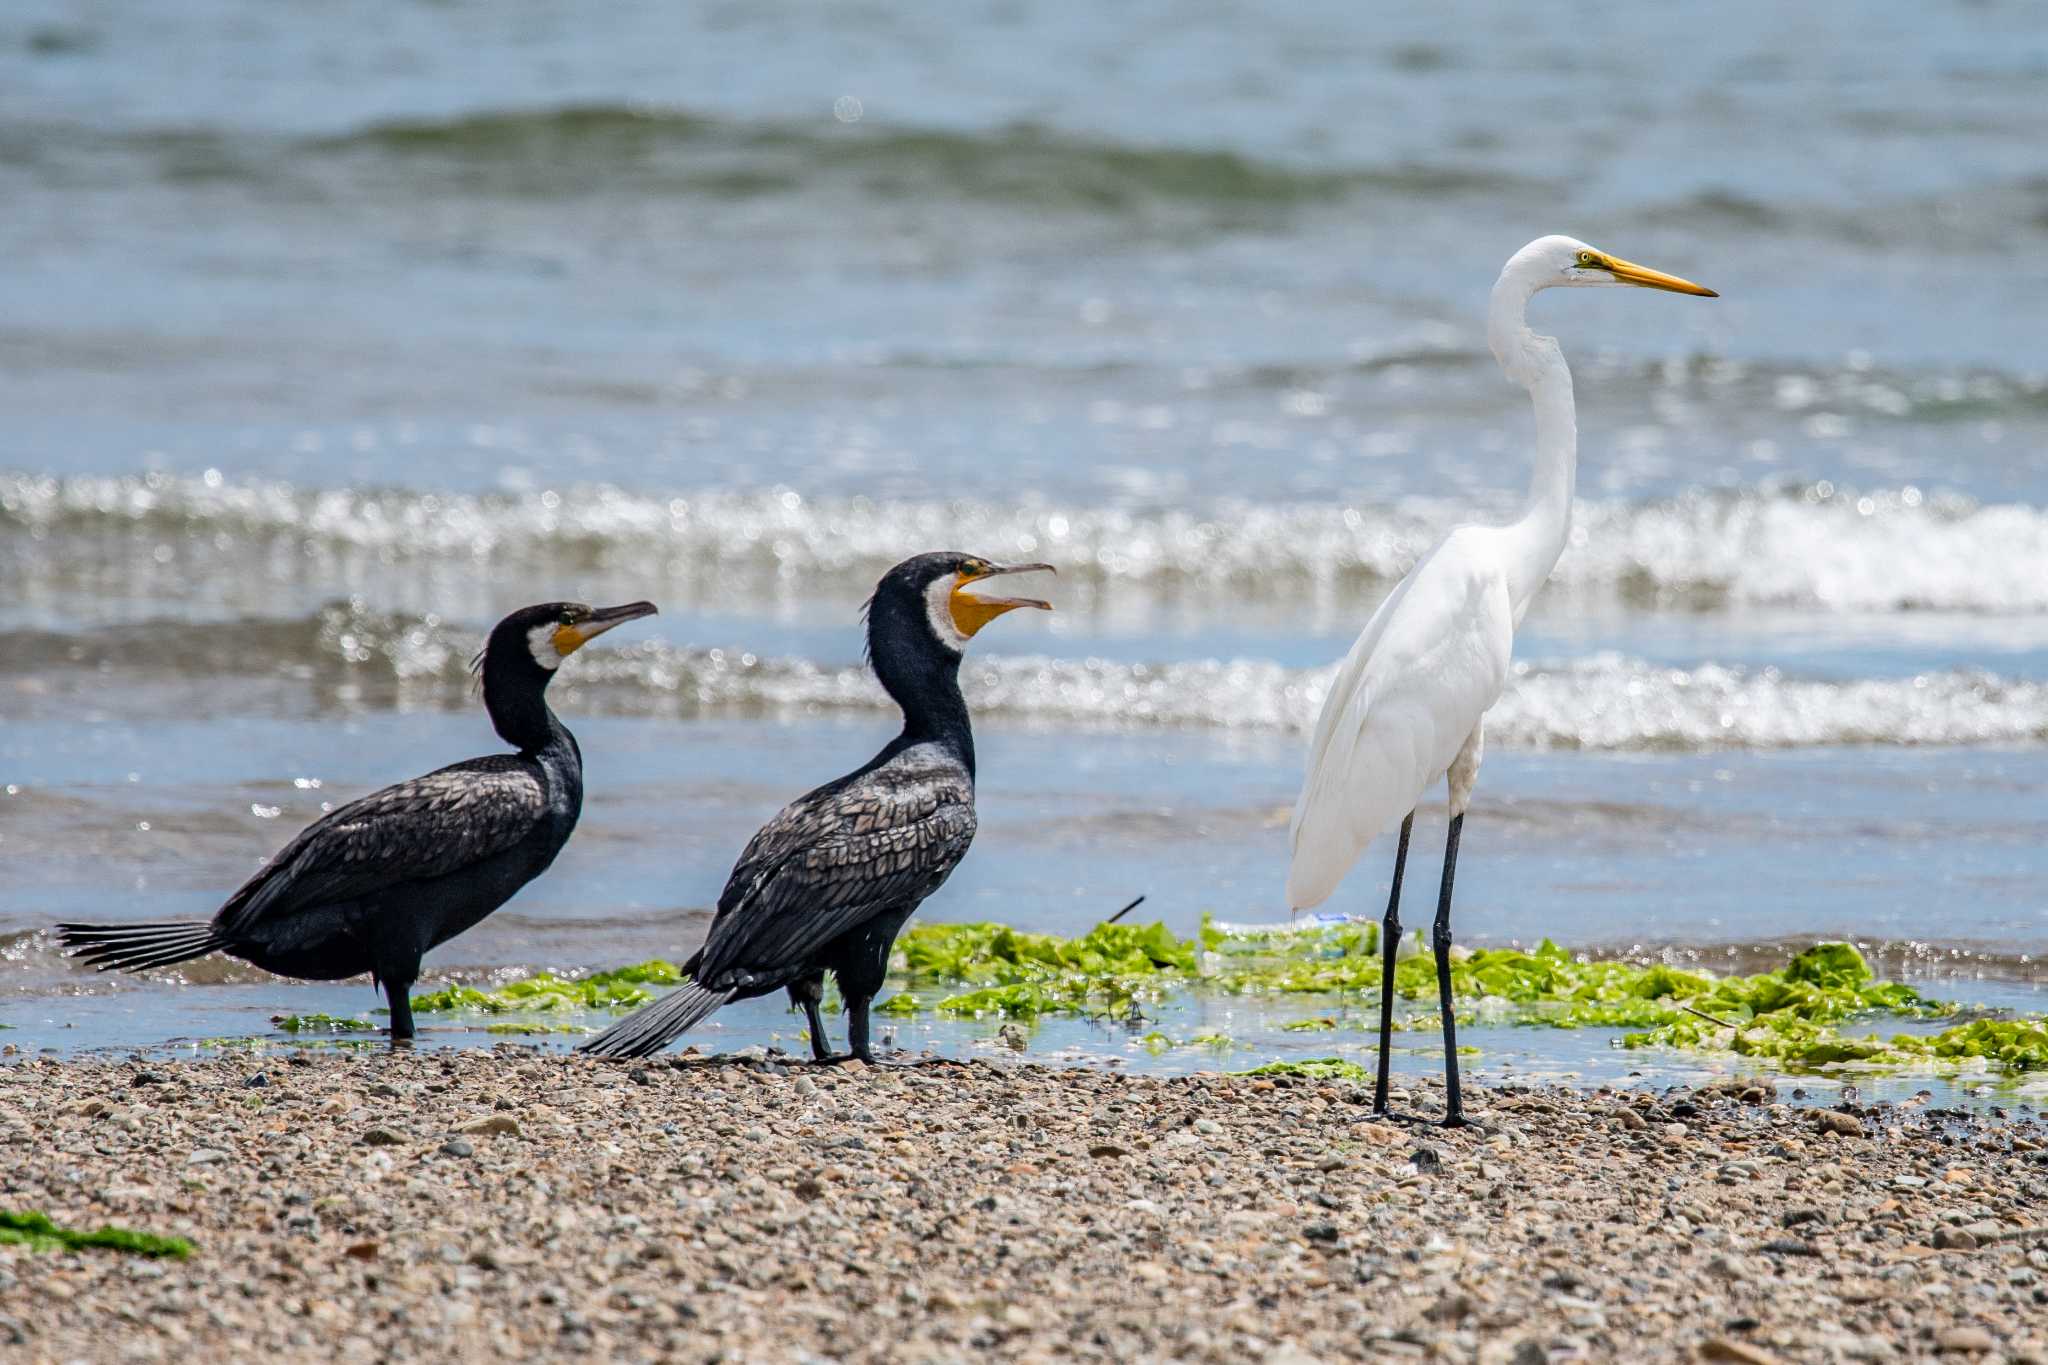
<point>508,1203</point>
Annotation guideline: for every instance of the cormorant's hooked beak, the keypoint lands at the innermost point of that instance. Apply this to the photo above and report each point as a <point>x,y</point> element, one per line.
<point>971,611</point>
<point>570,638</point>
<point>1628,272</point>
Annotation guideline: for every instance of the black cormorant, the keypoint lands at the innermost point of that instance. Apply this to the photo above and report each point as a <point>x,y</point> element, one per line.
<point>828,883</point>
<point>372,886</point>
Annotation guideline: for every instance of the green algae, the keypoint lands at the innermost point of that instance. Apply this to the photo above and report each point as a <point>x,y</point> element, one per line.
<point>2011,1044</point>
<point>1019,975</point>
<point>624,988</point>
<point>1316,1069</point>
<point>36,1232</point>
<point>537,1028</point>
<point>1792,1016</point>
<point>321,1023</point>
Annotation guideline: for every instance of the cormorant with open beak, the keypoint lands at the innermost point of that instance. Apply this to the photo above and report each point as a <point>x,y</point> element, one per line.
<point>828,883</point>
<point>372,886</point>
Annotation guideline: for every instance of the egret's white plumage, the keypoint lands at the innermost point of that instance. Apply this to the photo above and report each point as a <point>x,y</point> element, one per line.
<point>1407,706</point>
<point>1409,697</point>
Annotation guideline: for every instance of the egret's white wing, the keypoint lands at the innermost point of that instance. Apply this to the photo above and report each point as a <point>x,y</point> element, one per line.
<point>1433,658</point>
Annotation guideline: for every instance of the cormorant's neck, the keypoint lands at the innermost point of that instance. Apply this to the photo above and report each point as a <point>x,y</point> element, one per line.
<point>519,712</point>
<point>926,685</point>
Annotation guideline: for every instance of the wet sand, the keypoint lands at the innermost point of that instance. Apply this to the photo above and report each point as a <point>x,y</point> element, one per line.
<point>473,1205</point>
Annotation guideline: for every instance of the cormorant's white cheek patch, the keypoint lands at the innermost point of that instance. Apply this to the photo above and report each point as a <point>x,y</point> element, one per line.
<point>541,640</point>
<point>938,609</point>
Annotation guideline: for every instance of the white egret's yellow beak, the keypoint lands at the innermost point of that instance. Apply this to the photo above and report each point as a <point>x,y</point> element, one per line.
<point>1628,272</point>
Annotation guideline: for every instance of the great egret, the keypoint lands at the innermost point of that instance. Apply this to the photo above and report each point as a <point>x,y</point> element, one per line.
<point>1407,706</point>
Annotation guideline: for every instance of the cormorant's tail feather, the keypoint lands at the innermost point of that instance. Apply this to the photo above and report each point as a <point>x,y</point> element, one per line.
<point>653,1027</point>
<point>139,947</point>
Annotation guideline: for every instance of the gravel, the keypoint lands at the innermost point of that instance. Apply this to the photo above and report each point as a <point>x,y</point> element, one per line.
<point>429,1206</point>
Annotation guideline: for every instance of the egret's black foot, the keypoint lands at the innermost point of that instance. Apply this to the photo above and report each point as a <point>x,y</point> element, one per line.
<point>1468,1124</point>
<point>1393,1116</point>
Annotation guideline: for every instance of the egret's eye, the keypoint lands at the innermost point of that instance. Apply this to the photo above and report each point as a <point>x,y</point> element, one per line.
<point>1589,260</point>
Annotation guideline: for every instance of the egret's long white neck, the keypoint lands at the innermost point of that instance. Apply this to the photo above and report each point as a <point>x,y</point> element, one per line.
<point>1537,537</point>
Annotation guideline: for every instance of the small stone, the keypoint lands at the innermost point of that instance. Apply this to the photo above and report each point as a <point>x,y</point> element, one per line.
<point>1741,1352</point>
<point>1790,1246</point>
<point>1331,1162</point>
<point>1836,1122</point>
<point>363,1251</point>
<point>494,1125</point>
<point>1529,1352</point>
<point>1208,1127</point>
<point>1322,1230</point>
<point>854,1064</point>
<point>382,1137</point>
<point>458,1147</point>
<point>640,1075</point>
<point>1675,1132</point>
<point>1794,1217</point>
<point>1103,1150</point>
<point>1954,1239</point>
<point>207,1156</point>
<point>804,1085</point>
<point>1287,1353</point>
<point>257,1081</point>
<point>1426,1159</point>
<point>1964,1341</point>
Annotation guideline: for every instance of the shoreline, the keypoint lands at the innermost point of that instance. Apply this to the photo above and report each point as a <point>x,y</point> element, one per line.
<point>474,1203</point>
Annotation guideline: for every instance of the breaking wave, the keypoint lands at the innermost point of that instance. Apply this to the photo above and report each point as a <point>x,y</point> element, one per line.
<point>1812,547</point>
<point>1605,702</point>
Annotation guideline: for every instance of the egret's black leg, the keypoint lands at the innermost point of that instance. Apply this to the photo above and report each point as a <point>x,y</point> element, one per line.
<point>398,995</point>
<point>1440,939</point>
<point>808,993</point>
<point>857,1026</point>
<point>1390,942</point>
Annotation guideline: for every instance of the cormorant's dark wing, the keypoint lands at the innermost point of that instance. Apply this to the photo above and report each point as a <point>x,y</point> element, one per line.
<point>427,827</point>
<point>835,859</point>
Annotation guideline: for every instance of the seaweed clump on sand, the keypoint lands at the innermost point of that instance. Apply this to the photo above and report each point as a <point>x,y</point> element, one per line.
<point>36,1232</point>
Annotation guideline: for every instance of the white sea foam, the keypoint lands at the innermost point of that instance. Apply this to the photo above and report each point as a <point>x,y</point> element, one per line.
<point>1814,547</point>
